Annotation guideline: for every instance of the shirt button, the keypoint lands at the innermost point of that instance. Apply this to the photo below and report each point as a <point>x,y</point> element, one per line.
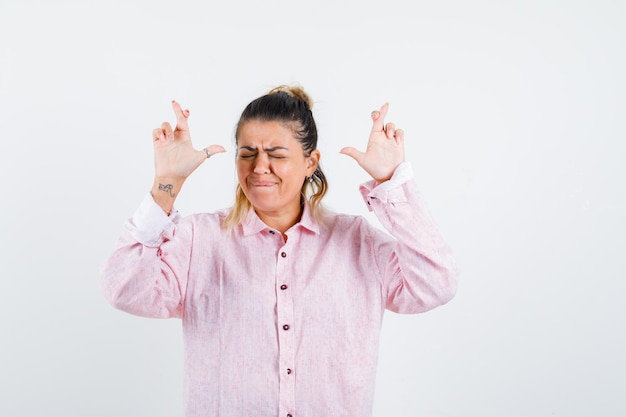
<point>289,415</point>
<point>272,232</point>
<point>288,371</point>
<point>283,254</point>
<point>286,327</point>
<point>283,287</point>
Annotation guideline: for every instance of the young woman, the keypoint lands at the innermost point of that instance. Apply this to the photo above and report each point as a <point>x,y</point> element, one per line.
<point>281,300</point>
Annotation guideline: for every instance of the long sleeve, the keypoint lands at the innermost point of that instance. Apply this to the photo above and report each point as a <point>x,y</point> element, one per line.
<point>147,271</point>
<point>418,268</point>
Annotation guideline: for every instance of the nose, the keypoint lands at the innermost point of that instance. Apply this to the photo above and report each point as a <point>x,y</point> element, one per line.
<point>262,164</point>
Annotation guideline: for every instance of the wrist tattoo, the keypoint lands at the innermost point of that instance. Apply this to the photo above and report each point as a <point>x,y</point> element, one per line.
<point>167,188</point>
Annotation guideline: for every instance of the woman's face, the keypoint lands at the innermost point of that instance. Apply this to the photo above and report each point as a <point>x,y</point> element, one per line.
<point>271,167</point>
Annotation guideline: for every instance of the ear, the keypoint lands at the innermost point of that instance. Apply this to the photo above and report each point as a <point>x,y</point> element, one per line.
<point>312,162</point>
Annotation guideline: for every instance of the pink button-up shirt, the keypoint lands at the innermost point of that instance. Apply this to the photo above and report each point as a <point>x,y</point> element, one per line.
<point>274,328</point>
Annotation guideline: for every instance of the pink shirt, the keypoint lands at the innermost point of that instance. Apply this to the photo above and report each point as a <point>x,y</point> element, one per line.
<point>274,328</point>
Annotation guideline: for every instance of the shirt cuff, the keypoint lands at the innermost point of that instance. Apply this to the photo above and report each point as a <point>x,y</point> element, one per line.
<point>390,191</point>
<point>150,225</point>
<point>402,174</point>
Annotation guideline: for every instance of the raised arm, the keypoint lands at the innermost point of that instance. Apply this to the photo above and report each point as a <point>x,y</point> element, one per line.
<point>148,268</point>
<point>418,268</point>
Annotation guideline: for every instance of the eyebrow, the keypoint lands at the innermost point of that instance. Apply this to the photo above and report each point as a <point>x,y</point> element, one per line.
<point>275,148</point>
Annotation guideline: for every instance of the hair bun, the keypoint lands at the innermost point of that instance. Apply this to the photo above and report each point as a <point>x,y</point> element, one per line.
<point>295,92</point>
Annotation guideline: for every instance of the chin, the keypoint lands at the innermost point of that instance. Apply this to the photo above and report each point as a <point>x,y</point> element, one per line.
<point>263,204</point>
<point>261,200</point>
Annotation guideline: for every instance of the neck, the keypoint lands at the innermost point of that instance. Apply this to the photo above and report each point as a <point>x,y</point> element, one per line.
<point>282,220</point>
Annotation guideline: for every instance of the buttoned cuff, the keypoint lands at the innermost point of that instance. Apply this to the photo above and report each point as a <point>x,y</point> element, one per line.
<point>149,225</point>
<point>390,191</point>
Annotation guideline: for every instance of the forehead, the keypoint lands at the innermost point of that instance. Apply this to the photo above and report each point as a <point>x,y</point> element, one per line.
<point>266,134</point>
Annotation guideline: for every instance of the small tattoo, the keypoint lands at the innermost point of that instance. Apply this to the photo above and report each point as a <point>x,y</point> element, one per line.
<point>168,188</point>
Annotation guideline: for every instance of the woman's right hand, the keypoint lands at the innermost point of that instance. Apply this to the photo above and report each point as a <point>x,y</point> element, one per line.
<point>175,158</point>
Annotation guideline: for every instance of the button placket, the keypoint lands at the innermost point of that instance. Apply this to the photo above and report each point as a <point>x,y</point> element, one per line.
<point>286,333</point>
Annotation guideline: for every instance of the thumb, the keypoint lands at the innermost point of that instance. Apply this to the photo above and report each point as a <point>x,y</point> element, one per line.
<point>211,150</point>
<point>353,153</point>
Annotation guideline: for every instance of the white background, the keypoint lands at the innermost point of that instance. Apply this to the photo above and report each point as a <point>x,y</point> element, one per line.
<point>514,120</point>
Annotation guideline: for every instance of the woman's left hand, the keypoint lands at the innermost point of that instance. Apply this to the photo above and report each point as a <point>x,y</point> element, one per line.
<point>385,148</point>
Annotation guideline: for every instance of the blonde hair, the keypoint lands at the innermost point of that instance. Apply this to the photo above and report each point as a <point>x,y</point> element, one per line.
<point>292,106</point>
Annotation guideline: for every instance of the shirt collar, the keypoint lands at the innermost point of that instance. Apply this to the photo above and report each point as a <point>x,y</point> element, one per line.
<point>253,224</point>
